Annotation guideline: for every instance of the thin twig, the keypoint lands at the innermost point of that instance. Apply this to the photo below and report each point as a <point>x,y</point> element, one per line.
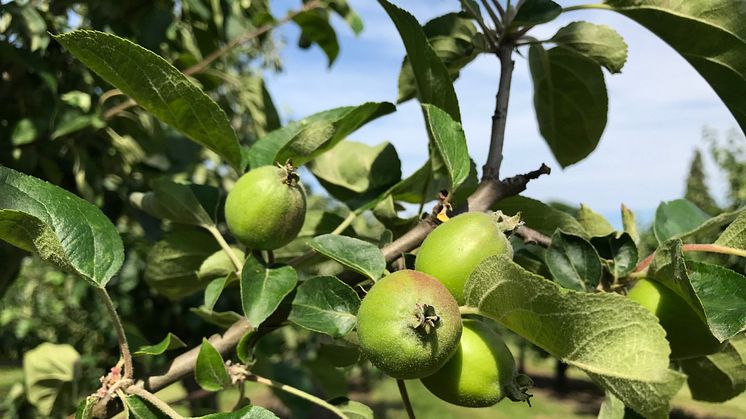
<point>297,392</point>
<point>237,263</point>
<point>499,8</point>
<point>405,398</point>
<point>124,347</point>
<point>531,236</point>
<point>493,16</point>
<point>155,401</point>
<point>587,7</point>
<point>711,248</point>
<point>491,169</point>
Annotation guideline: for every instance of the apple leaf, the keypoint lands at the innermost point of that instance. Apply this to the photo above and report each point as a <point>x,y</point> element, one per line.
<point>263,288</point>
<point>620,252</point>
<point>534,12</point>
<point>450,141</point>
<point>325,304</point>
<point>302,141</point>
<point>182,203</point>
<point>158,87</point>
<point>168,343</point>
<point>573,262</point>
<point>617,342</point>
<point>600,43</point>
<point>246,412</point>
<point>210,371</point>
<point>540,216</point>
<point>676,217</point>
<point>721,376</point>
<point>356,254</point>
<point>60,227</point>
<point>570,101</point>
<point>735,234</point>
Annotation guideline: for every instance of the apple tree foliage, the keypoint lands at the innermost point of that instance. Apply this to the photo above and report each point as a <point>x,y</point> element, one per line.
<point>100,181</point>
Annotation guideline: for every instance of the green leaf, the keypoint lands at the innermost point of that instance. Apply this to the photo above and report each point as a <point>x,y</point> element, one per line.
<point>710,227</point>
<point>353,409</point>
<point>246,412</point>
<point>617,342</point>
<point>304,140</point>
<point>721,376</point>
<point>60,227</point>
<point>51,373</point>
<point>178,202</point>
<point>595,224</point>
<point>621,251</point>
<point>629,223</point>
<point>262,289</point>
<point>355,172</point>
<point>722,293</point>
<point>356,254</point>
<point>315,28</point>
<point>258,102</point>
<point>339,355</point>
<point>158,87</point>
<point>451,37</point>
<point>676,217</point>
<point>210,371</point>
<point>570,101</point>
<point>325,304</point>
<point>168,343</point>
<point>709,34</point>
<point>431,76</point>
<point>219,265</point>
<point>534,12</point>
<point>573,262</point>
<point>343,9</point>
<point>735,234</point>
<point>214,289</point>
<point>450,141</point>
<point>138,408</point>
<point>600,43</point>
<point>173,262</point>
<point>223,319</point>
<point>85,407</point>
<point>540,216</point>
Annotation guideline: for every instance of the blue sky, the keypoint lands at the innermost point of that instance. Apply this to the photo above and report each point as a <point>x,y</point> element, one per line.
<point>658,107</point>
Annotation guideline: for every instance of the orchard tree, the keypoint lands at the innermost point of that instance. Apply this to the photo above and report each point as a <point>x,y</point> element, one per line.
<point>418,298</point>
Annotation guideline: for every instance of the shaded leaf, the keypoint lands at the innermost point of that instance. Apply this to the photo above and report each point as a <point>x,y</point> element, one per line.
<point>158,87</point>
<point>315,28</point>
<point>534,12</point>
<point>85,408</point>
<point>325,304</point>
<point>722,293</point>
<point>356,254</point>
<point>224,319</point>
<point>263,288</point>
<point>600,43</point>
<point>570,101</point>
<point>219,264</point>
<point>721,376</point>
<point>573,262</point>
<point>173,262</point>
<point>214,289</point>
<point>168,343</point>
<point>60,227</point>
<point>138,408</point>
<point>352,409</point>
<point>621,251</point>
<point>178,202</point>
<point>210,371</point>
<point>246,412</point>
<point>356,173</point>
<point>617,342</point>
<point>629,222</point>
<point>51,373</point>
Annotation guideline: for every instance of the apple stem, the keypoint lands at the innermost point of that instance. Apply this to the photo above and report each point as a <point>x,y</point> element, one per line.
<point>405,398</point>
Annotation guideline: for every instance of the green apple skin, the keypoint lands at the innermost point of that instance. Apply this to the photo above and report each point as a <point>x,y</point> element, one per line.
<point>452,251</point>
<point>388,322</point>
<point>479,372</point>
<point>686,332</point>
<point>265,210</point>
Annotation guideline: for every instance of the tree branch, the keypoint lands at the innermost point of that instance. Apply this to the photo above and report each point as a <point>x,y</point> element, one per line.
<point>491,169</point>
<point>531,236</point>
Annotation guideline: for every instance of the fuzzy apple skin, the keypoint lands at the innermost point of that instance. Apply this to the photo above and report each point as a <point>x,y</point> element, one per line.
<point>388,325</point>
<point>481,372</point>
<point>686,332</point>
<point>452,251</point>
<point>265,210</point>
